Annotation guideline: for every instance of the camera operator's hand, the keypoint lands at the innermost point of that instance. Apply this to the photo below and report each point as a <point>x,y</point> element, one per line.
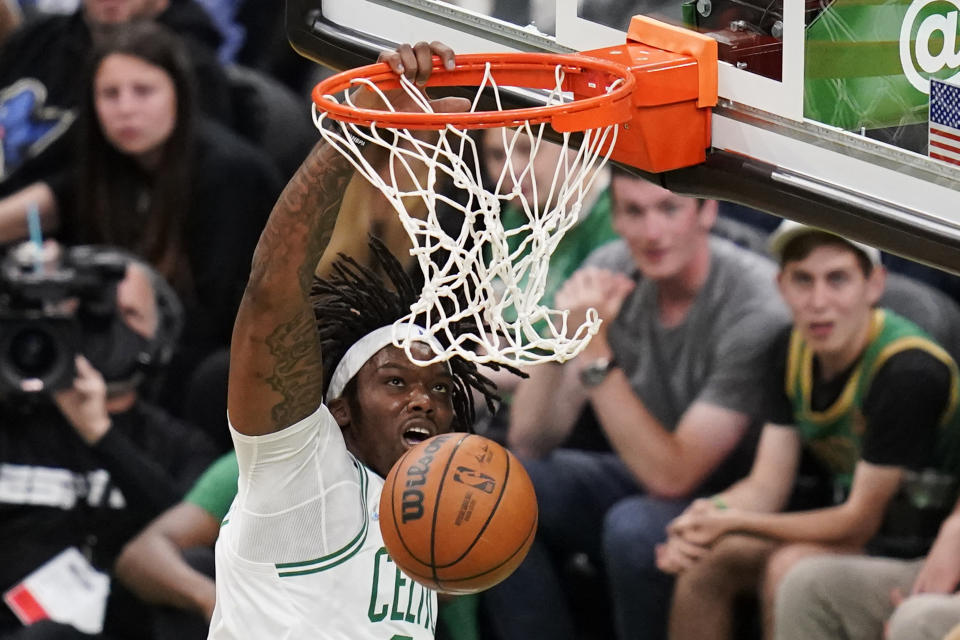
<point>85,404</point>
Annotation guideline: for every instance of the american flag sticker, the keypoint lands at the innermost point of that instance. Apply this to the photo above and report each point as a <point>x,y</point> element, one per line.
<point>944,140</point>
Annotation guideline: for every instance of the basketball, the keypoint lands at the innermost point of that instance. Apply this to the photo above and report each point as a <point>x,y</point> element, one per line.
<point>458,513</point>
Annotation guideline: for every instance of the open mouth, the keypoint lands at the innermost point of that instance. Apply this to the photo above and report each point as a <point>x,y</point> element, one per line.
<point>655,254</point>
<point>820,329</point>
<point>415,435</point>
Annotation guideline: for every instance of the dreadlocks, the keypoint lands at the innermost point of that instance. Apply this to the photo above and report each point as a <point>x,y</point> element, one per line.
<point>355,301</point>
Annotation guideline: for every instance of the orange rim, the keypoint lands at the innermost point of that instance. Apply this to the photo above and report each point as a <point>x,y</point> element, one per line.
<point>589,79</point>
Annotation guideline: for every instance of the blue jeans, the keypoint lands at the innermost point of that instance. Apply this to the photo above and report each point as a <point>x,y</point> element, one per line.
<point>640,592</point>
<point>589,503</point>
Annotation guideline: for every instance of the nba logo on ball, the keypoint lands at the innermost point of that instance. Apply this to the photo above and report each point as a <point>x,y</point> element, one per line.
<point>458,513</point>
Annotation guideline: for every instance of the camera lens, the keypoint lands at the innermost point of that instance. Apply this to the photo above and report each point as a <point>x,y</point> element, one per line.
<point>32,352</point>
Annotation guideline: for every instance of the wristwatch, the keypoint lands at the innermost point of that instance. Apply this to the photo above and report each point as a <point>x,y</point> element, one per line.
<point>595,372</point>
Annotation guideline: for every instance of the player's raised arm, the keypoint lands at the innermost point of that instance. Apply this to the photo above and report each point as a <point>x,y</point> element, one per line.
<point>276,372</point>
<point>275,366</point>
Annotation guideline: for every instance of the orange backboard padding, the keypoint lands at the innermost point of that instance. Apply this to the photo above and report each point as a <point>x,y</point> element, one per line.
<point>667,127</point>
<point>666,138</point>
<point>668,37</point>
<point>661,77</point>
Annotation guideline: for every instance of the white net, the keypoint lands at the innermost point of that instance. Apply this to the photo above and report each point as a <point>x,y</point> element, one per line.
<point>483,272</point>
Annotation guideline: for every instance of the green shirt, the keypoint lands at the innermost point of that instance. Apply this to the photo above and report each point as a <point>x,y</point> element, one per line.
<point>215,489</point>
<point>835,435</point>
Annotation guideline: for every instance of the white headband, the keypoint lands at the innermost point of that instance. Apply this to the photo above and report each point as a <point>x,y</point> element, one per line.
<point>364,349</point>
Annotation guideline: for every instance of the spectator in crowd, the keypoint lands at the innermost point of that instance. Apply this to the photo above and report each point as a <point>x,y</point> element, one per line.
<point>856,597</point>
<point>673,377</point>
<point>83,468</point>
<point>41,86</point>
<point>845,382</point>
<point>170,563</point>
<point>156,178</point>
<point>175,187</point>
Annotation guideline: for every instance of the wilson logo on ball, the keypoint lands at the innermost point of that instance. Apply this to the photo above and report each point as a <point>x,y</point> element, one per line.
<point>412,501</point>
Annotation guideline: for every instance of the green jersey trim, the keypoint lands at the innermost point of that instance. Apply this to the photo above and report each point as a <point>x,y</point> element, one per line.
<point>341,555</point>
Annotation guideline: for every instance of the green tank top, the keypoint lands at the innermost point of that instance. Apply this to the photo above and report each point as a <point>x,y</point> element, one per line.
<point>835,434</point>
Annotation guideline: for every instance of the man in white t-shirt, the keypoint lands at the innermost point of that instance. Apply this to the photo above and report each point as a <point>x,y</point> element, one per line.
<point>300,553</point>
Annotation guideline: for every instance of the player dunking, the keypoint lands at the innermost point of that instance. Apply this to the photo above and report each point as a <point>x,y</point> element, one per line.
<point>300,553</point>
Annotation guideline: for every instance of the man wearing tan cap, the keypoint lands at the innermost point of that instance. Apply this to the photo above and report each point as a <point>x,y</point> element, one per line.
<point>866,392</point>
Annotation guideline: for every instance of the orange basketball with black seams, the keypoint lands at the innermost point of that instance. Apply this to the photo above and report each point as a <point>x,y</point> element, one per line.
<point>458,513</point>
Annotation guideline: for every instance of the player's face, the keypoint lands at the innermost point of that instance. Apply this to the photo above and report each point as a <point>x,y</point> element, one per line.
<point>136,105</point>
<point>398,405</point>
<point>665,232</point>
<point>831,300</point>
<point>119,11</point>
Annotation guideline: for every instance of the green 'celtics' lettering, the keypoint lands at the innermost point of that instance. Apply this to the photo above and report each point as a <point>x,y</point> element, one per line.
<point>374,588</point>
<point>398,581</point>
<point>423,596</point>
<point>383,602</point>
<point>409,617</point>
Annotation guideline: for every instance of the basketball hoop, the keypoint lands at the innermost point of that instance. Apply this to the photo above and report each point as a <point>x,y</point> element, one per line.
<point>479,276</point>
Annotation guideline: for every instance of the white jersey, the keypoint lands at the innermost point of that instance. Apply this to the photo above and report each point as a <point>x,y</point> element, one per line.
<point>300,555</point>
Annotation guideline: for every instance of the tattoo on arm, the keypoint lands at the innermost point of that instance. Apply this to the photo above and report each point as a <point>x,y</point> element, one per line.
<point>298,231</point>
<point>298,372</point>
<point>302,221</point>
<point>313,199</point>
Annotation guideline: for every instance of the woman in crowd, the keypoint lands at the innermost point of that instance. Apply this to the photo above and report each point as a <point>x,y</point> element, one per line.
<point>156,178</point>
